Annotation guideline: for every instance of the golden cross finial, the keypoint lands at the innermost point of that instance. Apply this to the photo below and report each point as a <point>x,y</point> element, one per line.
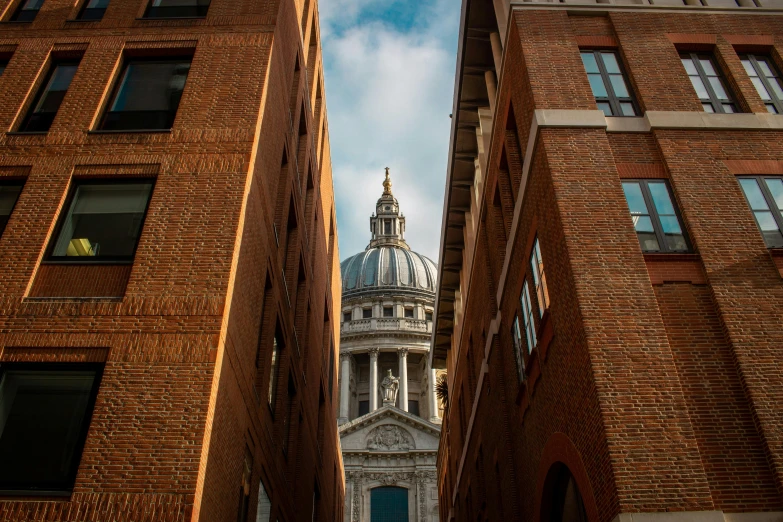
<point>387,183</point>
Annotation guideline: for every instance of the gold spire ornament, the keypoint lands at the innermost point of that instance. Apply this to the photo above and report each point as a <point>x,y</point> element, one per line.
<point>387,183</point>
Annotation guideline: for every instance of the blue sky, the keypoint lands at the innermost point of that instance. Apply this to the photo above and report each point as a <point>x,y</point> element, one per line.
<point>389,73</point>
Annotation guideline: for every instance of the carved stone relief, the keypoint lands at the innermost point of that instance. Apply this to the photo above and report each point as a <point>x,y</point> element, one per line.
<point>389,437</point>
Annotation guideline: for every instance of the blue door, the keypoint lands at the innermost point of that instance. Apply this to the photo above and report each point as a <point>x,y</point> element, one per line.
<point>389,504</point>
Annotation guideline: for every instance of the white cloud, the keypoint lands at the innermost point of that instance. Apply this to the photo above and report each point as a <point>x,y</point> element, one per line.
<point>389,94</point>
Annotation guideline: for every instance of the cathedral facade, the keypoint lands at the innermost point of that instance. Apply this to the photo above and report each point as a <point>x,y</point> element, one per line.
<point>389,415</point>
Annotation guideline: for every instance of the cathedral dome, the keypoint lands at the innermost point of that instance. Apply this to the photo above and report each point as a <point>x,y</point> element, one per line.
<point>386,268</point>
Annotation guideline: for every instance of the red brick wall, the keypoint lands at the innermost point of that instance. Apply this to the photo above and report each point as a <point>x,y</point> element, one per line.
<point>177,410</point>
<point>655,378</point>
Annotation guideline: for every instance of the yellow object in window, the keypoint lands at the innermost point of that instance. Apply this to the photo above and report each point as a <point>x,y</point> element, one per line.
<point>80,247</point>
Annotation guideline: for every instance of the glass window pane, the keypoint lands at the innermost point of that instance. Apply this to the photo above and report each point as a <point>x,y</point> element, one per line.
<point>610,63</point>
<point>771,109</point>
<point>775,186</point>
<point>661,198</point>
<point>698,86</point>
<point>597,85</point>
<point>55,89</point>
<point>717,87</point>
<point>97,4</point>
<point>604,106</point>
<point>2,67</point>
<point>527,311</point>
<point>760,88</point>
<point>708,107</point>
<point>706,64</point>
<point>776,87</point>
<point>104,220</point>
<point>8,197</point>
<point>618,84</point>
<point>729,108</point>
<point>766,221</point>
<point>628,109</point>
<point>633,194</point>
<point>749,67</point>
<point>689,67</point>
<point>753,193</point>
<point>588,59</point>
<point>42,416</point>
<point>766,70</point>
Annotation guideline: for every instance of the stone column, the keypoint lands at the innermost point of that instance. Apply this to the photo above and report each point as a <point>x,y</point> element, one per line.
<point>345,384</point>
<point>403,354</point>
<point>373,379</point>
<point>433,398</point>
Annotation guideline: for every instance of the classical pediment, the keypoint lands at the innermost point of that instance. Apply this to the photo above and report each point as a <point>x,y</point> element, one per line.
<point>389,429</point>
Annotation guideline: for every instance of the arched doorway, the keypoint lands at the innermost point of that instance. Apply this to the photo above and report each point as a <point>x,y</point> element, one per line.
<point>562,500</point>
<point>389,504</point>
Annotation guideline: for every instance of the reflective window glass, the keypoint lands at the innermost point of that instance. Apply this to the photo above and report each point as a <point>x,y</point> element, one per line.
<point>608,83</point>
<point>94,9</point>
<point>9,193</point>
<point>177,9</point>
<point>765,198</point>
<point>527,318</point>
<point>766,80</point>
<point>539,277</point>
<point>103,221</point>
<point>147,95</point>
<point>27,10</point>
<point>708,83</point>
<point>48,100</point>
<point>654,216</point>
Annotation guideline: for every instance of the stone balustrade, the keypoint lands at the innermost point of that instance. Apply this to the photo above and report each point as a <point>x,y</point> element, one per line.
<point>385,324</point>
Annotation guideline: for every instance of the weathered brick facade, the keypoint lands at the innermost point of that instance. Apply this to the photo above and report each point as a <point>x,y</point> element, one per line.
<point>234,243</point>
<point>656,378</point>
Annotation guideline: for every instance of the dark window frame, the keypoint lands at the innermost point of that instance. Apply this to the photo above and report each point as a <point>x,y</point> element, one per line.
<point>346,317</point>
<point>115,91</point>
<point>408,311</point>
<point>389,309</point>
<point>20,9</point>
<point>717,103</point>
<point>78,448</point>
<point>517,338</point>
<point>528,318</point>
<point>152,12</point>
<point>612,99</point>
<point>770,200</point>
<point>14,182</point>
<point>663,247</point>
<point>275,362</point>
<point>365,314</point>
<point>776,102</point>
<point>90,14</point>
<point>42,89</point>
<point>49,258</point>
<point>3,65</point>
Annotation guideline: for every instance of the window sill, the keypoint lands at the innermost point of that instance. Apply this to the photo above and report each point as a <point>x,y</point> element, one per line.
<point>58,299</point>
<point>31,133</point>
<point>131,131</point>
<point>16,22</point>
<point>671,256</point>
<point>22,493</point>
<point>82,20</point>
<point>86,262</point>
<point>157,18</point>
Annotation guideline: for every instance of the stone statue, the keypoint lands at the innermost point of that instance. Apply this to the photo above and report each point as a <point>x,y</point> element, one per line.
<point>390,385</point>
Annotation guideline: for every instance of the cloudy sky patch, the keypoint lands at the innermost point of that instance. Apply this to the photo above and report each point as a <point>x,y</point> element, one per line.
<point>389,73</point>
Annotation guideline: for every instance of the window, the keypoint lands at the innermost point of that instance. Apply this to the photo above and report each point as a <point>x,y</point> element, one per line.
<point>93,9</point>
<point>516,334</point>
<point>147,95</point>
<point>389,504</point>
<point>428,316</point>
<point>388,311</point>
<point>177,9</point>
<point>103,221</point>
<point>766,79</point>
<point>3,65</point>
<point>264,509</point>
<point>539,278</point>
<point>364,408</point>
<point>346,316</point>
<point>9,193</point>
<point>765,197</point>
<point>387,226</point>
<point>409,313</point>
<point>48,100</point>
<point>45,410</point>
<point>366,313</point>
<point>710,87</point>
<point>608,83</point>
<point>413,407</point>
<point>654,216</point>
<point>274,366</point>
<point>27,10</point>
<point>527,318</point>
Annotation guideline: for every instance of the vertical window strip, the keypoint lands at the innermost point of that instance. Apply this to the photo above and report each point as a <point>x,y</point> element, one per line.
<point>539,278</point>
<point>527,317</point>
<point>654,216</point>
<point>766,79</point>
<point>273,370</point>
<point>765,198</point>
<point>608,83</point>
<point>708,83</point>
<point>516,334</point>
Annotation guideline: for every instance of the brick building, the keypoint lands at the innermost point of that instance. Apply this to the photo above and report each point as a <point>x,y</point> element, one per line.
<point>169,275</point>
<point>610,285</point>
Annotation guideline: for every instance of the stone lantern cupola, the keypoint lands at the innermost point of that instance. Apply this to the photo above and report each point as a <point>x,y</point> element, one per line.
<point>387,224</point>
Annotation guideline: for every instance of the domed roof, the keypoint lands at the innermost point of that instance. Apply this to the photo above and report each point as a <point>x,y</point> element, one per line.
<point>386,268</point>
<point>388,262</point>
